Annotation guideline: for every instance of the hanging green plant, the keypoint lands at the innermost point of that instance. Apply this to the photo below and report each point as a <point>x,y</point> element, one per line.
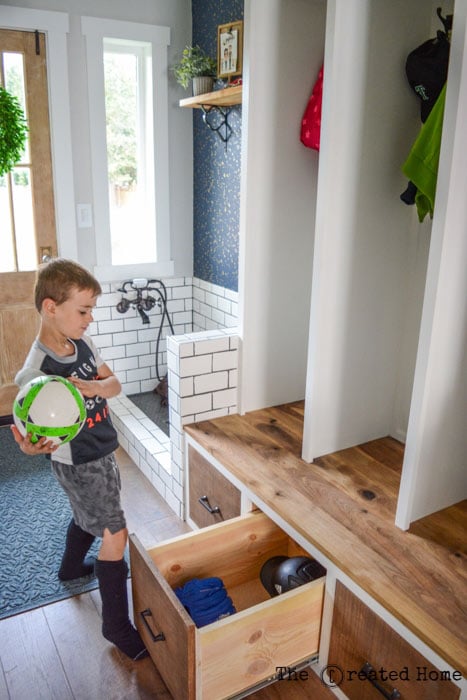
<point>13,131</point>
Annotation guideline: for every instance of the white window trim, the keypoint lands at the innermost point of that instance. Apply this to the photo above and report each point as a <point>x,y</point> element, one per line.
<point>55,25</point>
<point>95,30</point>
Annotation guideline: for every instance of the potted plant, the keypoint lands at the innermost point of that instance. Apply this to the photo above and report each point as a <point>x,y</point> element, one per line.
<point>197,66</point>
<point>13,130</point>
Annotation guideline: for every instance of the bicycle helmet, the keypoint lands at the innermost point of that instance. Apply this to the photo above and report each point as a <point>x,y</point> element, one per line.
<point>281,574</point>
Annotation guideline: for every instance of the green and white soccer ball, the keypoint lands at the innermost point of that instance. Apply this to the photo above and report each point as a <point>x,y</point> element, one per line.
<point>50,407</point>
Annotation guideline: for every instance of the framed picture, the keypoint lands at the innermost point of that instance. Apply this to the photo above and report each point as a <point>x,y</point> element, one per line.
<point>229,49</point>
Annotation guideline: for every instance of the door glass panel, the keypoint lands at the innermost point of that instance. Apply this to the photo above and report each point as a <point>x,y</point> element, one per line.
<point>13,66</point>
<point>24,219</point>
<point>7,257</point>
<point>16,198</point>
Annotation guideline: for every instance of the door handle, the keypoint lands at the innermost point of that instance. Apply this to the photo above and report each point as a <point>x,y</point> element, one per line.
<point>45,253</point>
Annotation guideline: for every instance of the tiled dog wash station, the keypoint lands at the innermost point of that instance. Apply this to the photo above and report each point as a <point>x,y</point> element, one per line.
<point>200,360</point>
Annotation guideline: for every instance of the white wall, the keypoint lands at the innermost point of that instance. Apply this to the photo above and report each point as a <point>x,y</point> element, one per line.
<point>175,14</point>
<point>361,339</point>
<point>284,42</point>
<point>434,474</point>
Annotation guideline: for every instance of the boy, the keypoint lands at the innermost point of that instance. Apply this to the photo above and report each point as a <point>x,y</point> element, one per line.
<point>65,296</point>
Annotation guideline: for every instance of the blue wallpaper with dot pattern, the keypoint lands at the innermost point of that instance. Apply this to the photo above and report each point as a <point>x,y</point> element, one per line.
<point>216,171</point>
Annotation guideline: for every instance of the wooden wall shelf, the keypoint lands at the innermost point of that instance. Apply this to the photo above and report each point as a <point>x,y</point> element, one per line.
<point>219,98</point>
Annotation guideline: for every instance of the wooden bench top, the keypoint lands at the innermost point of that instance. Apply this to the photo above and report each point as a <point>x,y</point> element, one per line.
<point>344,504</point>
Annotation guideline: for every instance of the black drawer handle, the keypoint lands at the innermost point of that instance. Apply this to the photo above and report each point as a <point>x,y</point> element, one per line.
<point>204,500</point>
<point>155,637</point>
<point>368,670</point>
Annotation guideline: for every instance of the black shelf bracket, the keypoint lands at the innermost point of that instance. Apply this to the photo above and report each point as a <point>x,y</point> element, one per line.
<point>217,119</point>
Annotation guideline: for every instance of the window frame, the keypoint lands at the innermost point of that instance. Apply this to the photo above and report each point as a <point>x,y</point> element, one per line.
<point>95,30</point>
<point>55,26</point>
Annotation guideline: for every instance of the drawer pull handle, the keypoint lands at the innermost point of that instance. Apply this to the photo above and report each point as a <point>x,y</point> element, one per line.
<point>368,670</point>
<point>155,637</point>
<point>204,500</point>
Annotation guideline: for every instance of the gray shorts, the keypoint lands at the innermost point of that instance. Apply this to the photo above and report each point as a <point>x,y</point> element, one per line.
<point>93,490</point>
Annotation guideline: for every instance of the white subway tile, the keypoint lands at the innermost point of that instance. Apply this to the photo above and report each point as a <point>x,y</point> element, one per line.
<point>195,404</point>
<point>146,360</point>
<point>233,378</point>
<point>211,325</point>
<point>225,360</point>
<point>125,338</point>
<point>111,353</point>
<point>137,349</point>
<point>181,293</point>
<point>158,484</point>
<point>205,310</point>
<point>175,282</point>
<point>199,294</point>
<point>131,323</point>
<point>211,299</point>
<point>230,321</point>
<point>101,314</point>
<point>125,363</point>
<point>222,399</point>
<point>224,305</point>
<point>203,347</point>
<point>210,415</point>
<point>211,382</point>
<point>218,316</point>
<point>230,294</point>
<point>181,317</point>
<point>186,350</point>
<point>137,374</point>
<point>192,366</point>
<point>186,386</point>
<point>148,384</point>
<point>173,362</point>
<point>110,326</point>
<point>174,504</point>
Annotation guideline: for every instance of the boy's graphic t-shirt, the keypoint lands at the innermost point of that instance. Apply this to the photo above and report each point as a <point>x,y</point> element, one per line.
<point>98,437</point>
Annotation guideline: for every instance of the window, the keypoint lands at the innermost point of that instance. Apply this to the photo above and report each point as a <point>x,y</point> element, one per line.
<point>27,217</point>
<point>130,150</point>
<point>127,72</point>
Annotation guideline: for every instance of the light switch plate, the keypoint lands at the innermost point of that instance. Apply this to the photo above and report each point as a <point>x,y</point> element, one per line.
<point>84,215</point>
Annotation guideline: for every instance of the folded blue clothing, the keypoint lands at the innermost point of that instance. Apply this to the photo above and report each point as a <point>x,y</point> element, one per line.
<point>205,600</point>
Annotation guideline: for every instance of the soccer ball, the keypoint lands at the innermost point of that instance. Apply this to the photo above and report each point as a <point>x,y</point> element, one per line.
<point>50,407</point>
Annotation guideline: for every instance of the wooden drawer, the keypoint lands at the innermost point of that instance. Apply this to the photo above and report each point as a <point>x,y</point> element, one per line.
<point>359,637</point>
<point>242,650</point>
<point>212,498</point>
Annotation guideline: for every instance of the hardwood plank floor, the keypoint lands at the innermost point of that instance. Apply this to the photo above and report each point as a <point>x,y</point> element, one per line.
<point>57,652</point>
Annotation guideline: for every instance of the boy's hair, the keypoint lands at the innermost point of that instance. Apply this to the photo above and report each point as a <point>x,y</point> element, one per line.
<point>57,278</point>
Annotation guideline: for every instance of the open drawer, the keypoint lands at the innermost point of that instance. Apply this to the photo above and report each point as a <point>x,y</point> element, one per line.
<point>243,650</point>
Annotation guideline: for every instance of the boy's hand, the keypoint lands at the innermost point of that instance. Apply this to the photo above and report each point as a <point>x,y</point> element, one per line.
<point>41,447</point>
<point>88,387</point>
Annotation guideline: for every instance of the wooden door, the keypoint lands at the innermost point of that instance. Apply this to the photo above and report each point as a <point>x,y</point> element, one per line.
<point>27,215</point>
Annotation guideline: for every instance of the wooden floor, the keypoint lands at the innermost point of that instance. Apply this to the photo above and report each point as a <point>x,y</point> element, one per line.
<point>58,653</point>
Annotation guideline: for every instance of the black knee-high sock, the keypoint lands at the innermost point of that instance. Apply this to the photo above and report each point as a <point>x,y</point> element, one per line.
<point>116,625</point>
<point>74,564</point>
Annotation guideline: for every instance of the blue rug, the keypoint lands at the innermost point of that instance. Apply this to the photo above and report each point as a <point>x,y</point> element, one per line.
<point>34,516</point>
